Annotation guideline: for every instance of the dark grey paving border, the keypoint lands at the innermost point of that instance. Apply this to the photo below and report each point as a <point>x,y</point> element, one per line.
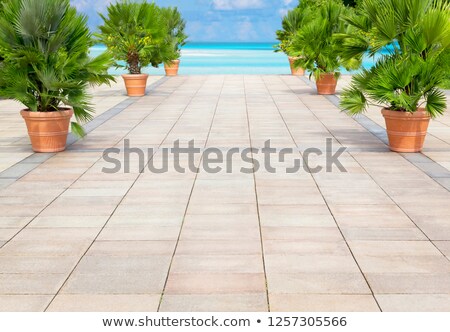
<point>431,168</point>
<point>23,167</point>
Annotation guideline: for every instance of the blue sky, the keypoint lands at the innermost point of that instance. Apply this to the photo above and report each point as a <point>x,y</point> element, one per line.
<point>216,20</point>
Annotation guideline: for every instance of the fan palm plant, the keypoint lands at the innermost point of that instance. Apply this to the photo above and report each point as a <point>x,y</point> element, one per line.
<point>291,23</point>
<point>317,42</point>
<point>415,34</point>
<point>135,33</point>
<point>293,20</point>
<point>45,45</point>
<point>175,39</point>
<point>176,26</point>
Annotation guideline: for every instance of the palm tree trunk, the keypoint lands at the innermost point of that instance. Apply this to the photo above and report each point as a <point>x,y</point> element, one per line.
<point>133,63</point>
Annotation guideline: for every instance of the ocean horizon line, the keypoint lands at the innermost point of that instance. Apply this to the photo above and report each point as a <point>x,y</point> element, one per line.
<point>273,43</point>
<point>225,58</point>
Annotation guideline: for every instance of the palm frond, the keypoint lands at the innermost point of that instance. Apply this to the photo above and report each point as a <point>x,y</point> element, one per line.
<point>353,101</point>
<point>436,103</point>
<point>77,129</point>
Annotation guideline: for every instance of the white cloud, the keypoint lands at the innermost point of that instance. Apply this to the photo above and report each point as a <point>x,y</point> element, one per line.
<point>246,31</point>
<point>213,31</point>
<point>86,5</point>
<point>283,11</point>
<point>287,5</point>
<point>237,4</point>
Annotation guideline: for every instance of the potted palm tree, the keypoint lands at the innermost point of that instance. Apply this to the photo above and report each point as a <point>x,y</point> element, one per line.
<point>176,38</point>
<point>134,32</point>
<point>292,21</point>
<point>404,82</point>
<point>45,45</point>
<point>317,42</point>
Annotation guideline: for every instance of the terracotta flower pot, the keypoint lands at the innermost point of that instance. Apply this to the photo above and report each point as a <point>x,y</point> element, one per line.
<point>406,131</point>
<point>326,84</point>
<point>135,84</point>
<point>48,130</point>
<point>295,71</point>
<point>172,69</point>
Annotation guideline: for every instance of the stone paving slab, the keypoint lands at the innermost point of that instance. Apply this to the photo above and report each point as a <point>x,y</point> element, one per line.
<point>372,238</point>
<point>104,303</point>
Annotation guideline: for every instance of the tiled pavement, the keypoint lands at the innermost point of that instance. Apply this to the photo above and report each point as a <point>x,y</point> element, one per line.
<point>74,238</point>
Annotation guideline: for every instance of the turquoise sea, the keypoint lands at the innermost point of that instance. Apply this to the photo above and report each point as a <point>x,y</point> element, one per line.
<point>226,58</point>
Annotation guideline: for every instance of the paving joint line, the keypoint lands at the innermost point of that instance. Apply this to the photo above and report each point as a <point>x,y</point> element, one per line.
<point>323,197</point>
<point>257,201</point>
<point>191,192</point>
